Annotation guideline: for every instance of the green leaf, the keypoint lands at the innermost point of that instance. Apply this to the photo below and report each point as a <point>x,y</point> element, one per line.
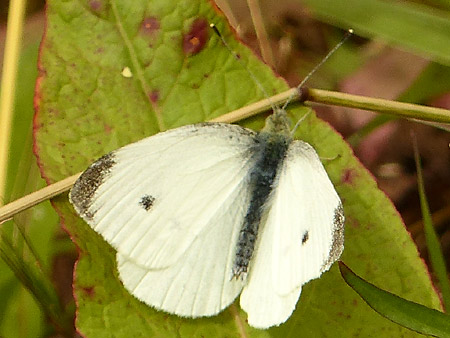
<point>408,314</point>
<point>88,108</point>
<point>419,28</point>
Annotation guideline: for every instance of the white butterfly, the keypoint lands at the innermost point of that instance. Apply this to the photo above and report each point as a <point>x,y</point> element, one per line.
<point>205,212</point>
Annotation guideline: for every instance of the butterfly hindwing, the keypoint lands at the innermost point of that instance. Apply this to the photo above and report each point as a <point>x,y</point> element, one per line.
<point>300,237</point>
<point>200,283</point>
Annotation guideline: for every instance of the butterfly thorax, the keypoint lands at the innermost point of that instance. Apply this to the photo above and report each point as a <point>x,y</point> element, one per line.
<point>271,145</point>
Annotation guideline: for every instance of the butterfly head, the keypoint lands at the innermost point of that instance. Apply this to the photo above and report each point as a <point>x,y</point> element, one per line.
<point>278,123</point>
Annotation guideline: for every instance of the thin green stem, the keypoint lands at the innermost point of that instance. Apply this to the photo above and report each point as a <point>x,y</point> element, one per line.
<point>37,283</point>
<point>400,109</point>
<point>432,240</point>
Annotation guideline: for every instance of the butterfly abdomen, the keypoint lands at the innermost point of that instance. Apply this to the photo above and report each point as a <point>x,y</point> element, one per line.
<point>270,153</point>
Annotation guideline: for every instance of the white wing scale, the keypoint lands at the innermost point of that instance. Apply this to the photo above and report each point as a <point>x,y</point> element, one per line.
<point>300,237</point>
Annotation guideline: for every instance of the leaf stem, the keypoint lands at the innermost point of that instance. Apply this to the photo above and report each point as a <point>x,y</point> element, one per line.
<point>307,95</point>
<point>311,95</point>
<point>400,109</point>
<point>30,200</point>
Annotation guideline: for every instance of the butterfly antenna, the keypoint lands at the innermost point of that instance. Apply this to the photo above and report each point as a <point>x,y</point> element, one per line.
<point>237,57</point>
<point>300,120</point>
<point>307,77</point>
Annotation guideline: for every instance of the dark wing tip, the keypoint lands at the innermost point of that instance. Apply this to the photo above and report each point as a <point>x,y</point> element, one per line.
<point>84,189</point>
<point>337,245</point>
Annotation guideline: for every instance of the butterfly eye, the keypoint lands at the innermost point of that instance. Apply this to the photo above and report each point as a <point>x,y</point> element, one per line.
<point>146,202</point>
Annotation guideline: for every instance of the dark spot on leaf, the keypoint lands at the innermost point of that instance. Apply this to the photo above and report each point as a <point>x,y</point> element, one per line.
<point>348,176</point>
<point>149,25</point>
<point>305,237</point>
<point>107,128</point>
<point>353,223</point>
<point>89,291</point>
<point>195,39</point>
<point>147,202</point>
<point>96,5</point>
<point>154,96</point>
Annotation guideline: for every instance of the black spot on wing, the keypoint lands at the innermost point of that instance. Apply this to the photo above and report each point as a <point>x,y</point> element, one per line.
<point>146,202</point>
<point>305,237</point>
<point>84,189</point>
<point>337,246</point>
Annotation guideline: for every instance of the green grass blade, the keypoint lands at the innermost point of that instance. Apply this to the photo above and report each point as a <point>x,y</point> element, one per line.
<point>408,314</point>
<point>419,28</point>
<point>433,82</point>
<point>432,240</point>
<point>36,282</point>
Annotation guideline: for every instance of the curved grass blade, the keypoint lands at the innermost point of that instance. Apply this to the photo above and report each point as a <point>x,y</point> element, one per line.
<point>413,26</point>
<point>408,314</point>
<point>434,247</point>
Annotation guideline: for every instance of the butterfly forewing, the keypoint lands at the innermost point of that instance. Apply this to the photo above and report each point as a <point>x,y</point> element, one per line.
<point>300,237</point>
<point>159,194</point>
